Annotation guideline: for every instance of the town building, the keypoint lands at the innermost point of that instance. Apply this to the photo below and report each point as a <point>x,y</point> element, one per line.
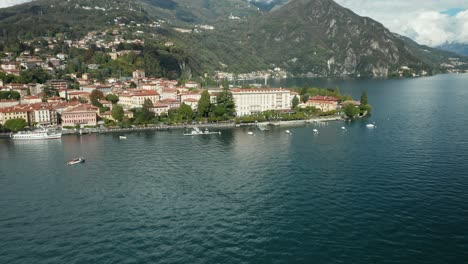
<point>13,112</point>
<point>41,114</point>
<point>31,99</point>
<point>8,103</point>
<point>134,98</point>
<point>323,103</point>
<point>77,95</point>
<point>138,74</point>
<point>251,101</point>
<point>105,89</point>
<point>82,114</point>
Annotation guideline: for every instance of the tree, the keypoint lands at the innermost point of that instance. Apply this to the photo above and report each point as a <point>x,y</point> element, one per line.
<point>204,104</point>
<point>49,91</point>
<point>9,95</point>
<point>146,110</point>
<point>118,113</point>
<point>364,100</point>
<point>305,98</point>
<point>15,125</point>
<point>112,98</point>
<point>133,85</point>
<point>351,110</point>
<point>185,112</point>
<point>95,96</point>
<point>225,101</point>
<point>295,102</point>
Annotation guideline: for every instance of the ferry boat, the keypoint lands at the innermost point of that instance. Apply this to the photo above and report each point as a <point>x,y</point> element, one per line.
<point>76,161</point>
<point>36,135</point>
<point>196,131</point>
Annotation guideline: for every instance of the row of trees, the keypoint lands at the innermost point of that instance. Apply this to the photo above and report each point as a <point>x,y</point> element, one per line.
<point>14,125</point>
<point>9,95</point>
<point>37,75</point>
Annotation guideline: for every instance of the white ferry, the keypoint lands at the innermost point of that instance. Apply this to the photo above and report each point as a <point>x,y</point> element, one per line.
<point>36,135</point>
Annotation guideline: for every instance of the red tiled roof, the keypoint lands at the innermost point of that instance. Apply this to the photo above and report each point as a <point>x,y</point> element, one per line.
<point>253,90</point>
<point>324,98</point>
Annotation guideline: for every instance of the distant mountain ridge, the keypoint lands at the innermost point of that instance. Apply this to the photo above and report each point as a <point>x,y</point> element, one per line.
<point>304,37</point>
<point>458,48</point>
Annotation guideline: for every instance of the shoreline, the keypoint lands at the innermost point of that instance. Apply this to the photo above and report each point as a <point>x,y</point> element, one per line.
<point>203,125</point>
<point>87,131</point>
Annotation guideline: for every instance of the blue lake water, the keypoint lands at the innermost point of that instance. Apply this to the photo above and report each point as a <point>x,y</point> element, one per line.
<point>394,194</point>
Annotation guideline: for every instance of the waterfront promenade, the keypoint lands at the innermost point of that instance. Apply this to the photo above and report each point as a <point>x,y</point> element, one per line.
<point>204,125</point>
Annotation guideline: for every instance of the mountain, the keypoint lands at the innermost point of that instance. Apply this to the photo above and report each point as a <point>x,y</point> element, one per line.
<point>459,48</point>
<point>303,37</point>
<point>321,38</point>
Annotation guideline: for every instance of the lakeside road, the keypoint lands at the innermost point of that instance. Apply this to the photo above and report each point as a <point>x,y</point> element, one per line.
<point>204,125</point>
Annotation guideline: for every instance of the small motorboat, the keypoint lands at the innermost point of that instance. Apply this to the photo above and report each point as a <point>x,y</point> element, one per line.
<point>343,128</point>
<point>122,137</point>
<point>315,131</point>
<point>287,132</point>
<point>250,133</point>
<point>76,161</point>
<point>371,125</point>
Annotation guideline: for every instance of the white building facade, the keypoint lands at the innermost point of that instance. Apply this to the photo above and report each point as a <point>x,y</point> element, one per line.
<point>251,101</point>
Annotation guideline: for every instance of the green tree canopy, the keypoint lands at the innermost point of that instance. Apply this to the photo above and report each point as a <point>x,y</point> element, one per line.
<point>295,102</point>
<point>95,96</point>
<point>204,104</point>
<point>225,104</point>
<point>351,111</point>
<point>15,125</point>
<point>146,110</point>
<point>364,100</point>
<point>112,98</point>
<point>118,112</point>
<point>9,95</point>
<point>185,112</point>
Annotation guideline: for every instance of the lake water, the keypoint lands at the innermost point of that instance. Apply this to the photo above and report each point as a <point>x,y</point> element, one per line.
<point>394,194</point>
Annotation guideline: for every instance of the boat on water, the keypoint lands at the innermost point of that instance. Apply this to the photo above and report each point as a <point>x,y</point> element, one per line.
<point>250,133</point>
<point>122,137</point>
<point>315,131</point>
<point>287,132</point>
<point>343,128</point>
<point>371,125</point>
<point>196,131</point>
<point>76,161</point>
<point>36,135</point>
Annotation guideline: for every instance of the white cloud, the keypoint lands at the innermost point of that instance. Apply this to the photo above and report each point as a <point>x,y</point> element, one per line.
<point>7,3</point>
<point>421,20</point>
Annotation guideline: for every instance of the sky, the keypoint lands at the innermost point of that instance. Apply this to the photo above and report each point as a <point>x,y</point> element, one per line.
<point>429,22</point>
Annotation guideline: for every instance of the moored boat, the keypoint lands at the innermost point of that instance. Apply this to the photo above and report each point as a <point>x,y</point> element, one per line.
<point>76,161</point>
<point>371,125</point>
<point>196,131</point>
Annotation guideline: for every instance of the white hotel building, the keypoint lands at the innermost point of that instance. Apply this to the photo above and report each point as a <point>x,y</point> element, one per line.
<point>251,101</point>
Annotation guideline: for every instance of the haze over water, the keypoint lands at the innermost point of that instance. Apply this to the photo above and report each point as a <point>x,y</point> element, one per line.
<point>395,194</point>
